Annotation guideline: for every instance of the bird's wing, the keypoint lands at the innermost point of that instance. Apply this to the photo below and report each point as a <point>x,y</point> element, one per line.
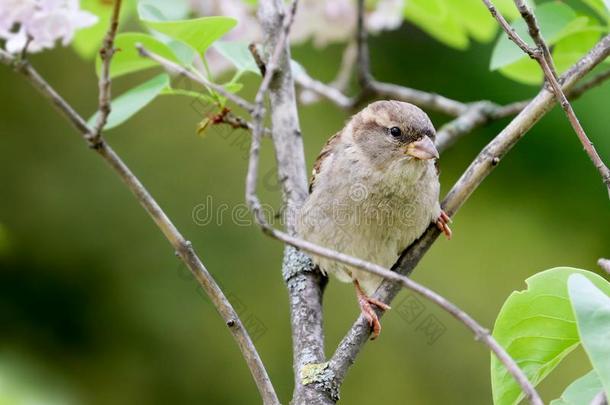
<point>327,151</point>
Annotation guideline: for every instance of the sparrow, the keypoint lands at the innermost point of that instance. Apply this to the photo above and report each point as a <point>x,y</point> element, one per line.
<point>374,191</point>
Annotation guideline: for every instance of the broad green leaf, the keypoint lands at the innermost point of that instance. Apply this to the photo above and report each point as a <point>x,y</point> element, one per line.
<point>508,9</point>
<point>453,22</point>
<point>598,6</point>
<point>88,41</point>
<point>170,91</point>
<point>163,10</point>
<point>475,18</point>
<point>574,43</point>
<point>592,310</point>
<point>183,52</point>
<point>198,33</point>
<point>433,17</point>
<point>129,103</point>
<point>553,18</point>
<point>577,25</point>
<point>233,87</point>
<point>128,60</point>
<point>537,328</point>
<point>582,391</point>
<point>238,54</point>
<point>526,71</point>
<point>570,49</point>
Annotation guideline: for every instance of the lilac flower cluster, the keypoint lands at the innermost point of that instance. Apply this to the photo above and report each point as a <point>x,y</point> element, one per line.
<point>44,22</point>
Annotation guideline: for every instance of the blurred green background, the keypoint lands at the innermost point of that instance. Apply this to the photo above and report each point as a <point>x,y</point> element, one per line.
<point>96,309</point>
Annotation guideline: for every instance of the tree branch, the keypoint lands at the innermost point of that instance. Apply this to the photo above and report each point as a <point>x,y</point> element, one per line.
<point>543,56</point>
<point>336,87</point>
<point>328,92</point>
<point>106,54</point>
<point>195,77</point>
<point>184,249</point>
<point>483,112</point>
<point>304,281</point>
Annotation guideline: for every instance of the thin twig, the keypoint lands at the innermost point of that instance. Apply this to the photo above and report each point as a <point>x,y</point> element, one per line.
<point>183,247</point>
<point>342,78</point>
<point>477,114</point>
<point>431,101</point>
<point>182,71</point>
<point>586,86</point>
<point>363,61</point>
<point>543,56</point>
<point>328,92</point>
<point>368,83</point>
<point>106,53</point>
<point>510,31</point>
<point>257,58</point>
<point>313,89</point>
<point>258,114</point>
<point>534,30</point>
<point>483,112</point>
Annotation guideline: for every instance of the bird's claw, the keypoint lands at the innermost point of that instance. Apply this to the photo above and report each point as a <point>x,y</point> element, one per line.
<point>443,222</point>
<point>366,307</point>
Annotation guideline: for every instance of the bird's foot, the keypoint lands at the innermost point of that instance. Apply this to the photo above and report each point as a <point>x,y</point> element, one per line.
<point>443,222</point>
<point>366,306</point>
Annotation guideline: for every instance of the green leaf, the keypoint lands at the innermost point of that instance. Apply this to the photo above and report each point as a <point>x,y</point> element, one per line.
<point>526,71</point>
<point>537,328</point>
<point>163,10</point>
<point>601,7</point>
<point>434,17</point>
<point>128,60</point>
<point>553,18</point>
<point>592,309</point>
<point>238,54</point>
<point>453,22</point>
<point>183,52</point>
<point>129,103</point>
<point>88,41</point>
<point>475,18</point>
<point>581,391</point>
<point>198,33</point>
<point>570,49</point>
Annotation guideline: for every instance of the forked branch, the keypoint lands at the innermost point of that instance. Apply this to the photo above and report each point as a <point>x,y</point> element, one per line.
<point>542,55</point>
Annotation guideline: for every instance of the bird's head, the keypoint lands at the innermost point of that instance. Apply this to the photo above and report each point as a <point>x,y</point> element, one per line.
<point>387,131</point>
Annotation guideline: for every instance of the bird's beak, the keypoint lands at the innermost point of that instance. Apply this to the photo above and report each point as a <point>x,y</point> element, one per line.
<point>423,149</point>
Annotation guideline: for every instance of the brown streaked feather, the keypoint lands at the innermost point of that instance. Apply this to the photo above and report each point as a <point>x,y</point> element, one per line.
<point>326,151</point>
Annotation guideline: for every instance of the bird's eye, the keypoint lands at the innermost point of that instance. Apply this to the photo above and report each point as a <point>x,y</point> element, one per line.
<point>395,132</point>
